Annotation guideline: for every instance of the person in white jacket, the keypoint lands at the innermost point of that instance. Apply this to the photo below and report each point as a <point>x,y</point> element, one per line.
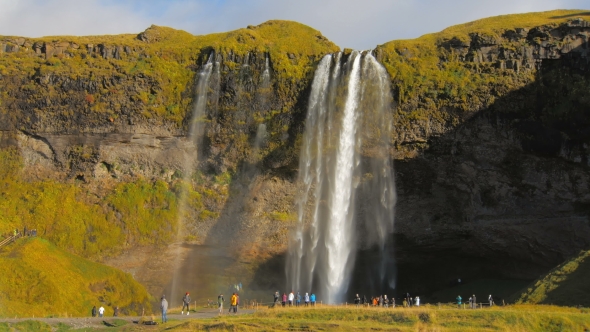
<point>101,311</point>
<point>291,298</point>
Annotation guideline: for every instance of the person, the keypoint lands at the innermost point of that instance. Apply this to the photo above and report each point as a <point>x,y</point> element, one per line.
<point>116,311</point>
<point>186,300</point>
<point>474,302</point>
<point>164,307</point>
<point>357,300</point>
<point>411,302</point>
<point>417,301</point>
<point>284,299</point>
<point>392,301</point>
<point>94,311</point>
<point>364,300</point>
<point>491,299</point>
<point>312,299</point>
<point>237,303</point>
<point>459,299</point>
<point>276,298</point>
<point>385,301</point>
<point>375,301</point>
<point>291,298</point>
<point>233,303</point>
<point>471,302</point>
<point>220,301</point>
<point>101,311</point>
<point>306,299</point>
<point>298,299</point>
<point>380,300</point>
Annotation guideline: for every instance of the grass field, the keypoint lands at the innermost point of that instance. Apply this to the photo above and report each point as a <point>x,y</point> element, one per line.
<point>446,318</point>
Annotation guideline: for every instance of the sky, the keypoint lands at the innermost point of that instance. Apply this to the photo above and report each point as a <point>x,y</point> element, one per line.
<point>358,24</point>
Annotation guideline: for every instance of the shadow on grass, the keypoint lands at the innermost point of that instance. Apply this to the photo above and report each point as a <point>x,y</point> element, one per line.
<point>571,15</point>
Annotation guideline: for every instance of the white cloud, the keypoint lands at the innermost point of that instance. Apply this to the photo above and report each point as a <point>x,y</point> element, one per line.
<point>349,23</point>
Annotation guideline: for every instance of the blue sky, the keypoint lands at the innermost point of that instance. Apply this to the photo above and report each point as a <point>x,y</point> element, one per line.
<point>355,24</point>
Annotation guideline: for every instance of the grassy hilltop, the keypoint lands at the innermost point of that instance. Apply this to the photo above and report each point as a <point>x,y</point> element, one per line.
<point>38,279</point>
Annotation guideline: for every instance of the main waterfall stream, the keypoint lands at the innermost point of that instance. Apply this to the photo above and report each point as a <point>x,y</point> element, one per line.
<point>347,195</point>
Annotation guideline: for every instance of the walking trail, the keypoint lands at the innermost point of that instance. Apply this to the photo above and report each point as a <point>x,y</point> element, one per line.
<point>95,322</point>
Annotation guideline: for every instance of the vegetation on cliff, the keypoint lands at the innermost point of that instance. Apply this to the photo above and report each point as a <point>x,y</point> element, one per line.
<point>443,78</point>
<point>38,279</point>
<point>106,80</point>
<point>565,285</point>
<point>71,217</point>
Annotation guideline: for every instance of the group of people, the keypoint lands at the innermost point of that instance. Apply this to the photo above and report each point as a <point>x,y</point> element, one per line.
<point>186,301</point>
<point>30,232</point>
<point>100,311</point>
<point>385,302</point>
<point>473,301</point>
<point>234,303</point>
<point>294,299</point>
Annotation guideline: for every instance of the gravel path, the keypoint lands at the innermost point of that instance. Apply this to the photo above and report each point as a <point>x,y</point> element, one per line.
<point>95,322</point>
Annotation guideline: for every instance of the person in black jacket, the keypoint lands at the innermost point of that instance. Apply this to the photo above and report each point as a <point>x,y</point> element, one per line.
<point>94,311</point>
<point>357,300</point>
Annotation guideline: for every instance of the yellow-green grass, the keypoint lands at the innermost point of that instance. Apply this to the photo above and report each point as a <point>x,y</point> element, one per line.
<point>70,216</point>
<point>512,318</point>
<point>567,284</point>
<point>38,279</point>
<point>428,77</point>
<point>167,62</point>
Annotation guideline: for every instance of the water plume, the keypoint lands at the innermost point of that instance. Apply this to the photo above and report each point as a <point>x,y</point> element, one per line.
<point>347,193</point>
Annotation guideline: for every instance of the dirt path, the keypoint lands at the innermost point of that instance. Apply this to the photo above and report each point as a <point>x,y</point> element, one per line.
<point>100,322</point>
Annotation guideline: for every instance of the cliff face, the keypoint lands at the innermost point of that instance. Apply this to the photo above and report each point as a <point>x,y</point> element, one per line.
<point>490,141</point>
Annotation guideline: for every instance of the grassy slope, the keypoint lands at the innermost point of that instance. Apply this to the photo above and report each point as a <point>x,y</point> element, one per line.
<point>38,279</point>
<point>568,284</point>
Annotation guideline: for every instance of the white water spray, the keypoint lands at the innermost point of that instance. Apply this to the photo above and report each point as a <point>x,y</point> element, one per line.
<point>342,203</point>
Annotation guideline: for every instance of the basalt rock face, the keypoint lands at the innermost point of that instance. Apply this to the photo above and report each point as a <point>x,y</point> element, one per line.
<point>490,143</point>
<point>502,190</point>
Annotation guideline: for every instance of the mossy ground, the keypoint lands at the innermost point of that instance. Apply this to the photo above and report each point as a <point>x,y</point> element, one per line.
<point>567,284</point>
<point>513,318</point>
<point>39,280</point>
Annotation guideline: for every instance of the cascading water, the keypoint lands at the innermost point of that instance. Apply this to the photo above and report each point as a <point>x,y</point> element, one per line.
<point>195,136</point>
<point>347,193</point>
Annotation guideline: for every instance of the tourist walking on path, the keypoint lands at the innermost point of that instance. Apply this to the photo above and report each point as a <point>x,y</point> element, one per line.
<point>94,311</point>
<point>164,307</point>
<point>233,303</point>
<point>276,297</point>
<point>312,299</point>
<point>186,300</point>
<point>101,311</point>
<point>459,299</point>
<point>306,299</point>
<point>220,301</point>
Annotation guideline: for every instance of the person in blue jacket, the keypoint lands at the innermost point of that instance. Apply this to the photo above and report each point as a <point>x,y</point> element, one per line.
<point>312,299</point>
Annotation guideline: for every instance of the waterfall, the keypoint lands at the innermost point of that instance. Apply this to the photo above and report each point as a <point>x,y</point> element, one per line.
<point>195,136</point>
<point>347,192</point>
<point>266,74</point>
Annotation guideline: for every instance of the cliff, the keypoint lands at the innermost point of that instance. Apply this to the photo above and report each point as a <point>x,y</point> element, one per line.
<point>490,142</point>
